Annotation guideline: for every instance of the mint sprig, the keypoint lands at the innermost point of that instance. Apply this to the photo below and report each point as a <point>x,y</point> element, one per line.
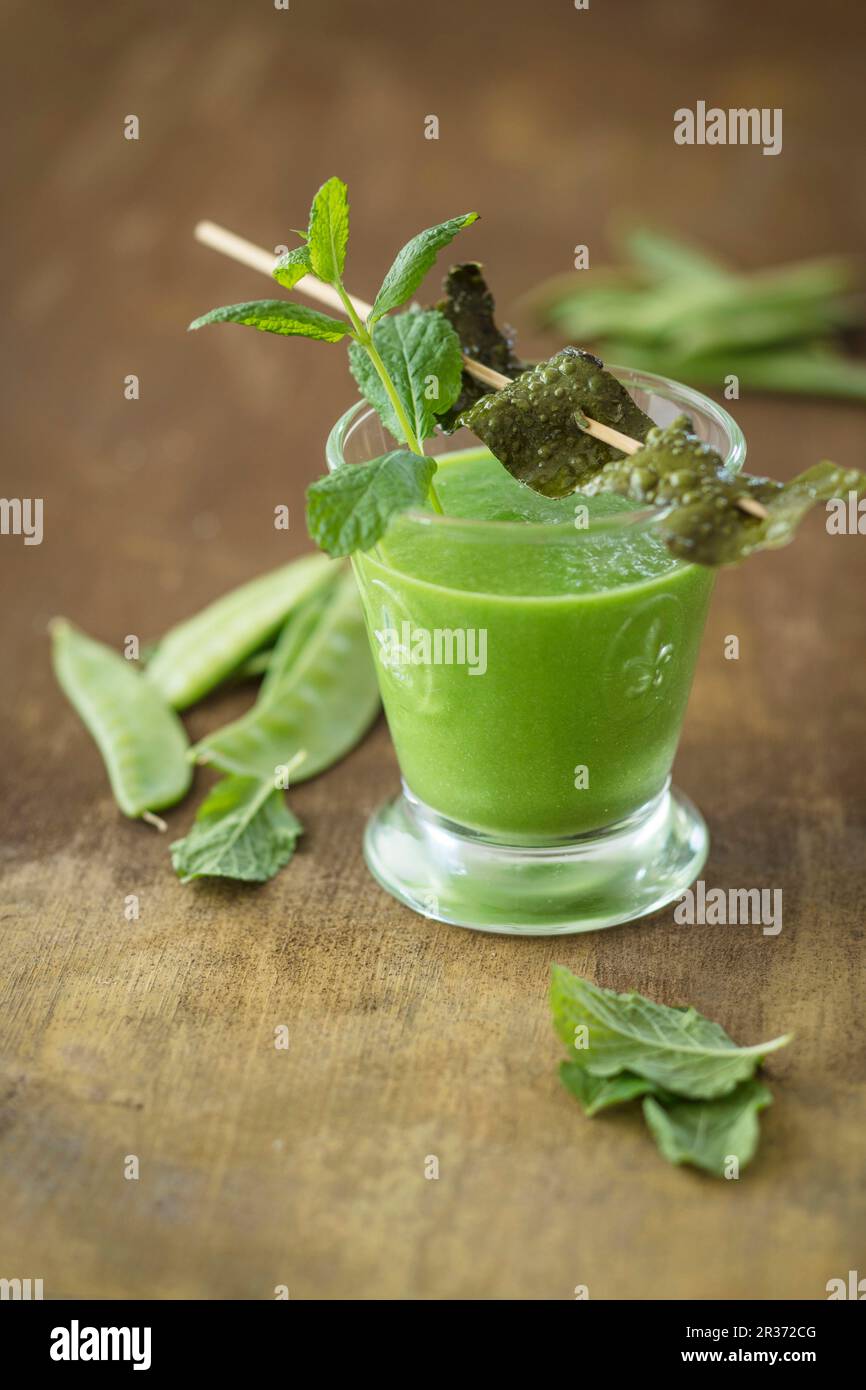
<point>408,368</point>
<point>351,508</point>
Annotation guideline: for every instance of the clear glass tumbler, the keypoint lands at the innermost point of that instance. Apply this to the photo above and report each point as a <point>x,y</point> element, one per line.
<point>535,677</point>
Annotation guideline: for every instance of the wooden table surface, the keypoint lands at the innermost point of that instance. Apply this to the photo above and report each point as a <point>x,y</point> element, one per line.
<point>155,1038</point>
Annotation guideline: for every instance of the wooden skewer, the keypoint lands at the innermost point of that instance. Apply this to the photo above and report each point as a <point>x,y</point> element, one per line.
<point>751,506</point>
<point>257,258</point>
<point>487,375</point>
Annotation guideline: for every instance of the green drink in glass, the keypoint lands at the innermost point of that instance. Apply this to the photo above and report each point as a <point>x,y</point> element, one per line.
<point>535,659</point>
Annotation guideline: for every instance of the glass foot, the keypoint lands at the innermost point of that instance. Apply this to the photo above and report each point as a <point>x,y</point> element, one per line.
<point>454,875</point>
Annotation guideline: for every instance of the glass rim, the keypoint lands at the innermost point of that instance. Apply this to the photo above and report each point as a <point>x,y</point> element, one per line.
<point>565,530</point>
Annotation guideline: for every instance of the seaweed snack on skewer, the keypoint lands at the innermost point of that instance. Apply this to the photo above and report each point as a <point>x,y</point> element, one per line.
<point>710,520</point>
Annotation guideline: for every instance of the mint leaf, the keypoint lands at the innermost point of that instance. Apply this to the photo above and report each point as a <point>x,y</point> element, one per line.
<point>328,235</point>
<point>350,508</point>
<point>598,1092</point>
<point>421,353</point>
<point>243,830</point>
<point>278,316</point>
<point>293,266</point>
<point>677,1050</point>
<point>412,263</point>
<point>708,1134</point>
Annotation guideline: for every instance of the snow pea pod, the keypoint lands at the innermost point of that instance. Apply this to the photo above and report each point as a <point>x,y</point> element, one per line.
<point>254,666</point>
<point>143,743</point>
<point>319,695</point>
<point>198,654</point>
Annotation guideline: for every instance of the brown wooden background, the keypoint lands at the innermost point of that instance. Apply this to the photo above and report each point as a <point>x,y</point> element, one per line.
<point>155,1038</point>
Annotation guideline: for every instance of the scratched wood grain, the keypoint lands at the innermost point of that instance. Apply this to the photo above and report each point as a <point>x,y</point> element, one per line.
<point>305,1167</point>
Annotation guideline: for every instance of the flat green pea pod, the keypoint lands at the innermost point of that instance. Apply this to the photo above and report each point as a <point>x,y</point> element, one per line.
<point>143,743</point>
<point>318,698</point>
<point>198,654</point>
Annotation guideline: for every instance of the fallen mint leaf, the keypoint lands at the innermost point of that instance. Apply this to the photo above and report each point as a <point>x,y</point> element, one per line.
<point>677,1050</point>
<point>597,1093</point>
<point>709,1134</point>
<point>243,830</point>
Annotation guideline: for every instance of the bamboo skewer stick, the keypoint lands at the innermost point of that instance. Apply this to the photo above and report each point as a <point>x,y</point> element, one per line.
<point>751,506</point>
<point>237,248</point>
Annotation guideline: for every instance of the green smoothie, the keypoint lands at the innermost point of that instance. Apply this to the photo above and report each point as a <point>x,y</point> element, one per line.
<point>534,676</point>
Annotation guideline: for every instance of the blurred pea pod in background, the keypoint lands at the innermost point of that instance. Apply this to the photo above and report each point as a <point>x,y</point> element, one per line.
<point>681,312</point>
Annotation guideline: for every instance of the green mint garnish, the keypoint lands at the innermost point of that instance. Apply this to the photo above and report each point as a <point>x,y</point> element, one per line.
<point>243,830</point>
<point>351,508</point>
<point>700,1098</point>
<point>278,316</point>
<point>533,425</point>
<point>469,307</point>
<point>413,262</point>
<point>408,368</point>
<point>707,523</point>
<point>421,355</point>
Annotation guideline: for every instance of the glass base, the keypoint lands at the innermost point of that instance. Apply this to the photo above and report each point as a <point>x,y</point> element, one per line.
<point>454,875</point>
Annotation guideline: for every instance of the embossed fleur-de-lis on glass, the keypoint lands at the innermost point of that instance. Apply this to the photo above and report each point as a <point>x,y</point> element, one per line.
<point>647,670</point>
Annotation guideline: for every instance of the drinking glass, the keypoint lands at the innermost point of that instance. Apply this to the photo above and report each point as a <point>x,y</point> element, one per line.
<point>535,677</point>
